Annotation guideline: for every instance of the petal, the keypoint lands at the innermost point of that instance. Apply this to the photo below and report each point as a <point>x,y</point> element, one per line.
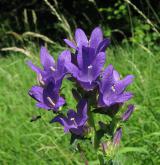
<point>34,68</point>
<point>122,84</point>
<point>63,121</point>
<point>116,76</point>
<point>103,45</point>
<point>71,114</point>
<point>36,92</point>
<point>63,59</point>
<point>71,44</point>
<point>51,94</point>
<point>124,97</point>
<point>46,59</point>
<point>93,70</point>
<point>96,37</point>
<point>117,136</point>
<point>100,100</point>
<point>105,86</point>
<point>72,69</point>
<point>108,71</point>
<point>64,56</point>
<point>98,64</point>
<point>81,38</point>
<point>60,102</point>
<point>91,64</point>
<point>113,98</point>
<point>43,106</point>
<point>126,115</point>
<point>107,80</point>
<point>110,100</point>
<point>82,116</point>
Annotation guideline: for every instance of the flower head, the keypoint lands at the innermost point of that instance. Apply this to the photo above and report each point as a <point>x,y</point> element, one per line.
<point>90,81</point>
<point>50,68</point>
<point>96,40</point>
<point>47,97</point>
<point>88,68</point>
<point>112,89</point>
<point>74,122</point>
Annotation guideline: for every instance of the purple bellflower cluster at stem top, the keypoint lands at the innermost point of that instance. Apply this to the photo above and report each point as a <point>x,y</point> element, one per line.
<point>85,66</point>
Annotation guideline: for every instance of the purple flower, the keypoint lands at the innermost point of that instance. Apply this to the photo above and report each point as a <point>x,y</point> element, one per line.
<point>74,122</point>
<point>88,68</point>
<point>126,115</point>
<point>117,136</point>
<point>96,40</point>
<point>48,97</point>
<point>112,89</point>
<point>50,68</point>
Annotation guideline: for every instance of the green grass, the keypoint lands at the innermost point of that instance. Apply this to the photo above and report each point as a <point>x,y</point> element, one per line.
<point>39,143</point>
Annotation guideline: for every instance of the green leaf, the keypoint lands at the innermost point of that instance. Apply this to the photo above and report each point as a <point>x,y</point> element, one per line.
<point>132,149</point>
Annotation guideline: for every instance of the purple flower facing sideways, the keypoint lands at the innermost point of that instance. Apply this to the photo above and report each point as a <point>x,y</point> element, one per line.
<point>96,40</point>
<point>112,89</point>
<point>117,136</point>
<point>48,97</point>
<point>88,68</point>
<point>126,115</point>
<point>50,68</point>
<point>74,122</point>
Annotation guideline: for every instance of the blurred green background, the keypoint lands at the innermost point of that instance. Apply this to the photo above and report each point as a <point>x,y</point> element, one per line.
<point>134,29</point>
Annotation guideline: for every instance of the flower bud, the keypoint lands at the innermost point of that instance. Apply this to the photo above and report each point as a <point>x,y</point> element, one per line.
<point>117,136</point>
<point>126,115</point>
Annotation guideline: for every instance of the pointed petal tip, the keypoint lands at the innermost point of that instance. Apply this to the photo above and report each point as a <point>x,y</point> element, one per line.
<point>110,66</point>
<point>108,40</point>
<point>126,115</point>
<point>46,59</point>
<point>33,67</point>
<point>79,30</point>
<point>57,119</point>
<point>97,29</point>
<point>65,55</point>
<point>53,120</point>
<point>43,49</point>
<point>117,136</point>
<point>96,37</point>
<point>70,43</point>
<point>108,70</point>
<point>80,37</point>
<point>103,45</point>
<point>130,76</point>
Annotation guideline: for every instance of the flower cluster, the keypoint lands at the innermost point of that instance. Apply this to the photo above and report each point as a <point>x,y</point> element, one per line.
<point>96,89</point>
